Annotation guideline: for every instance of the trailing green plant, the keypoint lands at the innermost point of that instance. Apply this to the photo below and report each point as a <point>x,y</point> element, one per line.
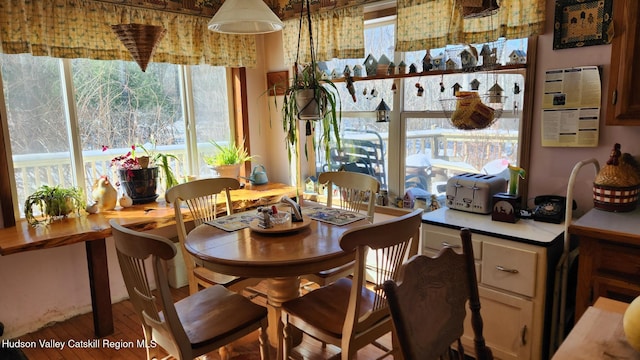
<point>229,154</point>
<point>325,95</point>
<point>53,202</point>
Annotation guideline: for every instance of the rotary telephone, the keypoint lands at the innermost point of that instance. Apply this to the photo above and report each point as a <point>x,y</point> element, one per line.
<point>550,208</point>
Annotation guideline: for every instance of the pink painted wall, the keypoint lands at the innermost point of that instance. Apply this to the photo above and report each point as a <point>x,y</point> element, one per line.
<point>551,166</point>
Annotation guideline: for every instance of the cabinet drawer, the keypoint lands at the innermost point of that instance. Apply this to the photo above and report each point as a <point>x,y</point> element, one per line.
<point>435,238</point>
<point>618,260</point>
<point>432,253</point>
<point>509,268</point>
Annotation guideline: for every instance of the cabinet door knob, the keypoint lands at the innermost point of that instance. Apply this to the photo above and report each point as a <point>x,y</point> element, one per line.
<point>523,335</point>
<point>502,268</point>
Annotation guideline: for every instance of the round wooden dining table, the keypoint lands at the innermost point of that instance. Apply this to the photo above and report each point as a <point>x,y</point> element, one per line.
<point>279,257</point>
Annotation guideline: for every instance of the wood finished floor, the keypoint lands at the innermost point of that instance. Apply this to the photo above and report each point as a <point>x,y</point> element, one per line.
<point>127,328</point>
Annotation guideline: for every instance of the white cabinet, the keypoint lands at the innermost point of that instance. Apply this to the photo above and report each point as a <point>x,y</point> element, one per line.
<point>514,266</point>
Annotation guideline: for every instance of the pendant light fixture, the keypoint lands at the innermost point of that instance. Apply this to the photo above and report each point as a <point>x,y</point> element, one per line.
<point>245,17</point>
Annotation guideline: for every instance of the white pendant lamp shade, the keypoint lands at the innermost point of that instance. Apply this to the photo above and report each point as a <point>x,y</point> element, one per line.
<point>245,17</point>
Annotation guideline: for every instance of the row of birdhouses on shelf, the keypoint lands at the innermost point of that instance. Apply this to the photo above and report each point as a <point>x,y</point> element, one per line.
<point>467,59</point>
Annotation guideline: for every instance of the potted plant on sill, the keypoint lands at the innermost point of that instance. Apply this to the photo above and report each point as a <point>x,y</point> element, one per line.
<point>228,159</point>
<point>54,202</point>
<point>310,98</point>
<point>137,175</point>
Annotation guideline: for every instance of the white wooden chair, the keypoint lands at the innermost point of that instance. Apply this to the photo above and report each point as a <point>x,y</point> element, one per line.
<point>347,313</point>
<point>356,191</point>
<point>201,198</point>
<point>195,325</point>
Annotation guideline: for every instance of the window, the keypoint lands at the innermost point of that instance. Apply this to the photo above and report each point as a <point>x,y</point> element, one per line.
<point>113,104</point>
<point>423,147</point>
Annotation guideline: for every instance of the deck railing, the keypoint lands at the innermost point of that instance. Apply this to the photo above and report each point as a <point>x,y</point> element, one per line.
<point>33,170</point>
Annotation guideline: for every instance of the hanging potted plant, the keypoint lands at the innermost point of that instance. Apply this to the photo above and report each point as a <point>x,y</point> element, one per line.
<point>310,98</point>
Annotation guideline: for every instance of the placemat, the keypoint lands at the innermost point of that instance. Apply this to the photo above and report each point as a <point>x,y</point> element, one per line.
<point>332,215</point>
<point>234,222</point>
<point>322,213</point>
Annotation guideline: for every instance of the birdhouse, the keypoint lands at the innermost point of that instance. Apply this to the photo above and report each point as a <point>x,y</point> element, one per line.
<point>475,84</point>
<point>325,75</point>
<point>518,57</point>
<point>357,70</point>
<point>335,74</point>
<point>402,68</point>
<point>382,112</point>
<point>438,62</point>
<point>489,55</point>
<point>495,94</point>
<point>468,59</point>
<point>426,62</point>
<point>450,64</point>
<point>311,185</point>
<point>383,65</point>
<point>392,68</point>
<point>371,65</point>
<point>456,87</point>
<point>347,71</point>
<point>413,69</point>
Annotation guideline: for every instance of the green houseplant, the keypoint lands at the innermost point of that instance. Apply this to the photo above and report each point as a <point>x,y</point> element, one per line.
<point>137,175</point>
<point>52,202</point>
<point>162,161</point>
<point>228,158</point>
<point>311,98</point>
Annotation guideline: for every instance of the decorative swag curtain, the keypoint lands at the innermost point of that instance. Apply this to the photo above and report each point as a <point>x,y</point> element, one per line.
<point>82,29</point>
<point>336,34</point>
<point>427,24</point>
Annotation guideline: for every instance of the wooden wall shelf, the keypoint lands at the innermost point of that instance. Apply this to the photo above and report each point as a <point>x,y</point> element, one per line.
<point>515,68</point>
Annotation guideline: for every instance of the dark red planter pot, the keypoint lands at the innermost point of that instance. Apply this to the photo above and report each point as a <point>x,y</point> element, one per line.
<point>139,184</point>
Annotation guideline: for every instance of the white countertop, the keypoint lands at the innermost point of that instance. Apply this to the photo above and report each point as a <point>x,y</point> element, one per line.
<point>524,230</point>
<point>621,222</point>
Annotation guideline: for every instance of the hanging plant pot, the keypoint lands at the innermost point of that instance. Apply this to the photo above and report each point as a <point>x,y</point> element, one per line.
<point>309,108</point>
<point>139,184</point>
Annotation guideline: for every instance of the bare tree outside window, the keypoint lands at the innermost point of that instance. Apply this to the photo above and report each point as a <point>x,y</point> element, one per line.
<point>117,106</point>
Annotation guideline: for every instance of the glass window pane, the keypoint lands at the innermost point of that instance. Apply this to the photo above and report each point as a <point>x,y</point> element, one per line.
<point>364,141</point>
<point>119,106</point>
<point>435,149</point>
<point>211,107</point>
<point>37,126</point>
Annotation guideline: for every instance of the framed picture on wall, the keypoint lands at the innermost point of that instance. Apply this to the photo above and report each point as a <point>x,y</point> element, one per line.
<point>582,23</point>
<point>277,82</point>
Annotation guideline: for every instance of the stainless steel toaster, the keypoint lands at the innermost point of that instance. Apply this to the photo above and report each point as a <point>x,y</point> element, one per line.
<point>473,192</point>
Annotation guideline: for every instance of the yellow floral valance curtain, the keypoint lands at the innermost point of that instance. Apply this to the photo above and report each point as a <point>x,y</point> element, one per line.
<point>336,34</point>
<point>82,29</point>
<point>427,24</point>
